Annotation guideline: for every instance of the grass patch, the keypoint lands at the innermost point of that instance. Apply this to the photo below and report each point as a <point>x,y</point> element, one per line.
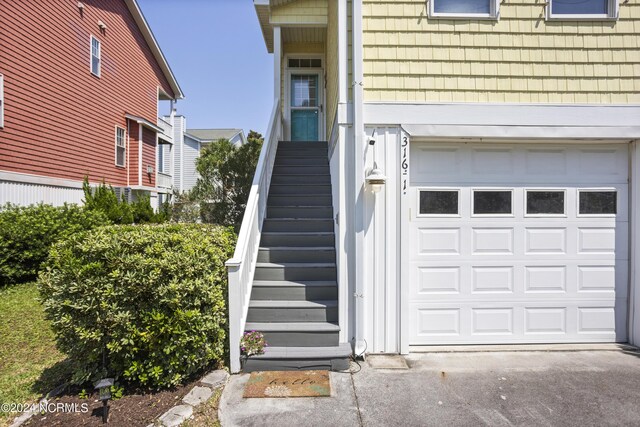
<point>30,364</point>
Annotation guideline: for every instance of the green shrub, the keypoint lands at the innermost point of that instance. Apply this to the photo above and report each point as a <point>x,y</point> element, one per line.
<point>103,199</point>
<point>153,295</point>
<point>27,233</point>
<point>142,210</point>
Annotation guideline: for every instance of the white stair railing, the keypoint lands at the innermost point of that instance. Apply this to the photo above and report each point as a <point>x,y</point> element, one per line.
<point>242,266</point>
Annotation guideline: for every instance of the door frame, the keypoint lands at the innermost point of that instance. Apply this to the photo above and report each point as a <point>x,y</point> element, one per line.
<point>320,72</point>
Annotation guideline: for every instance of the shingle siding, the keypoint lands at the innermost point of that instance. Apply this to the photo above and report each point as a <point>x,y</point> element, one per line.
<point>301,11</point>
<point>519,58</point>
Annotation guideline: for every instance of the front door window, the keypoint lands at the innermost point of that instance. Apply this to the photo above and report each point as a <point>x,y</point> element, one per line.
<point>305,107</point>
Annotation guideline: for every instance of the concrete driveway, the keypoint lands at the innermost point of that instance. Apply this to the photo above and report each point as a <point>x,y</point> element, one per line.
<point>545,388</point>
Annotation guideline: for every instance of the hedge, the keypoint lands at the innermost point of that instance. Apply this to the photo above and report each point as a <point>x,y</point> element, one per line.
<point>27,233</point>
<point>153,296</point>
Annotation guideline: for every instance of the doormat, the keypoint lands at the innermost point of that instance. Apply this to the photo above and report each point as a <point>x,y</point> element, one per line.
<point>288,384</point>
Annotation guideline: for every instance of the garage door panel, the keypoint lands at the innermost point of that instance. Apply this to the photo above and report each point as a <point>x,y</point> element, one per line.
<point>545,278</point>
<point>518,277</point>
<point>545,163</point>
<point>468,323</point>
<point>609,164</point>
<point>493,279</point>
<point>439,241</point>
<point>545,240</point>
<point>517,281</point>
<point>541,163</point>
<point>492,241</point>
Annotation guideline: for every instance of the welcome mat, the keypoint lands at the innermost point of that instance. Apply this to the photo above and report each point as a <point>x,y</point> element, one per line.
<point>288,384</point>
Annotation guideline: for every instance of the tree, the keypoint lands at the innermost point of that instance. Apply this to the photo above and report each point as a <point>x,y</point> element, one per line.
<point>226,173</point>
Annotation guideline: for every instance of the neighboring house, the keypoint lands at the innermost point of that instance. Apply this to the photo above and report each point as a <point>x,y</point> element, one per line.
<point>502,138</point>
<point>80,85</point>
<point>207,136</point>
<point>178,160</point>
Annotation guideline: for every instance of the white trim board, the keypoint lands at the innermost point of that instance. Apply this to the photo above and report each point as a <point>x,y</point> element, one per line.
<point>475,120</point>
<point>39,180</point>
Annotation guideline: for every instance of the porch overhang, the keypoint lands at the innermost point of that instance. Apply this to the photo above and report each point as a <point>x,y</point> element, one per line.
<point>144,122</point>
<point>263,11</point>
<point>313,31</point>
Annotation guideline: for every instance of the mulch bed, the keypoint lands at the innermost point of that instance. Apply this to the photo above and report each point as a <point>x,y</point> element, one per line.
<point>130,410</point>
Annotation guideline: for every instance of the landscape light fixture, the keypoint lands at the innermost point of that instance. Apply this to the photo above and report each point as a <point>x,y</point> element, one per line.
<point>104,391</point>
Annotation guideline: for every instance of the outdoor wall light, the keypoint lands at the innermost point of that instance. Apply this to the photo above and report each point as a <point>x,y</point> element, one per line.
<point>102,25</point>
<point>104,391</point>
<point>149,170</point>
<point>376,179</point>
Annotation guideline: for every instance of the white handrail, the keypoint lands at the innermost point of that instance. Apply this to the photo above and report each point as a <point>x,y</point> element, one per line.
<point>242,266</point>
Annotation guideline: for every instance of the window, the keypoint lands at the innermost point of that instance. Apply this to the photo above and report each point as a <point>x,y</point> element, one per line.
<point>304,91</point>
<point>1,101</point>
<point>121,147</point>
<point>305,63</point>
<point>160,158</point>
<point>439,202</point>
<point>597,202</point>
<point>95,56</point>
<point>492,202</point>
<point>583,9</point>
<point>545,202</point>
<point>464,8</point>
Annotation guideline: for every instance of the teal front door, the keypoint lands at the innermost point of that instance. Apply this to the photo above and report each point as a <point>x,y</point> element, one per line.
<point>305,107</point>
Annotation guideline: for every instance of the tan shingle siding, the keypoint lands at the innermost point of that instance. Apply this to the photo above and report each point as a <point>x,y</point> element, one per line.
<point>520,58</point>
<point>300,12</point>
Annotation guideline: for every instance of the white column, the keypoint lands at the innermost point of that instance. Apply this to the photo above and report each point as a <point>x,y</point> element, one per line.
<point>277,62</point>
<point>360,209</point>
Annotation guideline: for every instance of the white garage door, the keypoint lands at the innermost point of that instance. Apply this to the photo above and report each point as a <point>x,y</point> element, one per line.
<point>515,243</point>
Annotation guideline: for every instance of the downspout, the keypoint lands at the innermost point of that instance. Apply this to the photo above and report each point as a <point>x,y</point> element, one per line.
<point>140,134</point>
<point>359,211</point>
<point>128,152</point>
<point>183,129</point>
<point>172,148</point>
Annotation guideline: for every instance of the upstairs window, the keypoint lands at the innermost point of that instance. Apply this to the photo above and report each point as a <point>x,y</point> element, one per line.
<point>583,9</point>
<point>1,101</point>
<point>95,56</point>
<point>121,147</point>
<point>464,8</point>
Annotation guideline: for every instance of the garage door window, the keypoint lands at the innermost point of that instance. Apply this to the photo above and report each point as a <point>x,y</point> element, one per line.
<point>598,202</point>
<point>439,202</point>
<point>545,202</point>
<point>492,202</point>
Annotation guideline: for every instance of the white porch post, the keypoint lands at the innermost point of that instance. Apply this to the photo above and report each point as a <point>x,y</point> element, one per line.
<point>359,185</point>
<point>277,62</point>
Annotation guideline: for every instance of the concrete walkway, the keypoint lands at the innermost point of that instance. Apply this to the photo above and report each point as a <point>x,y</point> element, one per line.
<point>567,388</point>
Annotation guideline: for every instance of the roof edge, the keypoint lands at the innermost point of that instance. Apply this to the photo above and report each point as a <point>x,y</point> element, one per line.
<point>138,16</point>
<point>263,20</point>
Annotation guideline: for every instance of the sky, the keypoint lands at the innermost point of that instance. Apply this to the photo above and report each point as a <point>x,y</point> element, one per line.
<point>217,53</point>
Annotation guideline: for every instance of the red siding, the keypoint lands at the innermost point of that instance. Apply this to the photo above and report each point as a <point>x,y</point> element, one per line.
<point>59,118</point>
<point>148,157</point>
<point>133,153</point>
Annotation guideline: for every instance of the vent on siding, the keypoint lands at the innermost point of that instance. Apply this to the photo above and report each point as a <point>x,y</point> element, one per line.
<point>123,193</point>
